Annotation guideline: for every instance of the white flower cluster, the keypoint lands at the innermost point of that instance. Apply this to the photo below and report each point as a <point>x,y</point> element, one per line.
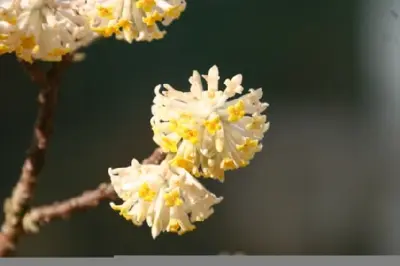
<point>48,29</point>
<point>167,198</point>
<point>204,133</point>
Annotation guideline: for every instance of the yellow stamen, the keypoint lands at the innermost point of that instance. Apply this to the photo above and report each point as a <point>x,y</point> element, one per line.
<point>28,42</point>
<point>173,198</point>
<point>173,226</point>
<point>228,164</point>
<point>146,193</point>
<point>236,111</point>
<point>146,5</point>
<point>105,12</point>
<point>182,163</point>
<point>104,31</point>
<point>169,144</point>
<point>213,125</point>
<point>190,135</point>
<point>151,19</point>
<point>174,12</point>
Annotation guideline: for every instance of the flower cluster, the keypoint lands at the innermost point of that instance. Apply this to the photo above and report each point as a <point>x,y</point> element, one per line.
<point>133,20</point>
<point>204,133</point>
<point>167,198</point>
<point>48,29</point>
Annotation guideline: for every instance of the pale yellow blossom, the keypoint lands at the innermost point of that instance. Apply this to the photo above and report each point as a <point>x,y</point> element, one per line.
<point>167,198</point>
<point>43,29</point>
<point>206,131</point>
<point>130,20</point>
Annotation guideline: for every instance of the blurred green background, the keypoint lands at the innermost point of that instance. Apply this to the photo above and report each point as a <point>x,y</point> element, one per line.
<point>321,183</point>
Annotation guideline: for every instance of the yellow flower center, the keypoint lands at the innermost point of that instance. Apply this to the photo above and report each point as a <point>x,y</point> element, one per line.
<point>173,198</point>
<point>151,19</point>
<point>146,5</point>
<point>236,111</point>
<point>190,135</point>
<point>105,12</point>
<point>183,163</point>
<point>146,193</point>
<point>228,164</point>
<point>28,42</point>
<point>213,125</point>
<point>169,144</point>
<point>174,12</point>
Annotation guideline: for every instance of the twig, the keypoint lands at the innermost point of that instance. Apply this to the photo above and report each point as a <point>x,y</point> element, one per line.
<point>18,204</point>
<point>88,199</point>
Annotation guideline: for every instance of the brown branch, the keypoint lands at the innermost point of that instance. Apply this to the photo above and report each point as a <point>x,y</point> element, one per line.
<point>18,204</point>
<point>88,199</point>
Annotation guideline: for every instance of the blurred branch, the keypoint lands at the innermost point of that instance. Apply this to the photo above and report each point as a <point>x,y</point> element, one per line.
<point>18,204</point>
<point>45,214</point>
<point>88,199</point>
<point>20,218</point>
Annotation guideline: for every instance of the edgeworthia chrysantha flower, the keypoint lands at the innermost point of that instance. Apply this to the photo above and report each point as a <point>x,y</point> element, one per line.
<point>133,19</point>
<point>42,29</point>
<point>206,131</point>
<point>167,198</point>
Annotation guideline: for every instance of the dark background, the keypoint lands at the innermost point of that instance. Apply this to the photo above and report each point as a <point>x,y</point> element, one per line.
<point>326,180</point>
